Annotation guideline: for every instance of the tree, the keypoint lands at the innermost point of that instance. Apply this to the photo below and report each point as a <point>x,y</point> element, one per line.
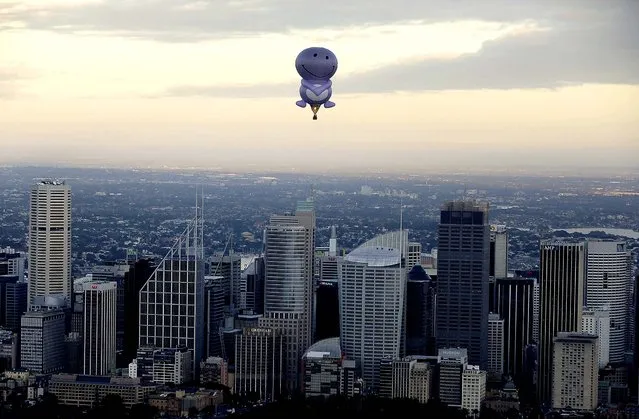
<point>193,412</point>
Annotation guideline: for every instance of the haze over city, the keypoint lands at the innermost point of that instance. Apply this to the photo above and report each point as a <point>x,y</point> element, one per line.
<point>421,86</point>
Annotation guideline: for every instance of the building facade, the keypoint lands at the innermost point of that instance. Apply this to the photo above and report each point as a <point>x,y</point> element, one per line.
<point>172,299</point>
<point>50,240</point>
<point>99,332</point>
<point>372,286</point>
<point>575,371</point>
<point>288,287</point>
<point>462,279</point>
<point>608,282</point>
<point>561,289</point>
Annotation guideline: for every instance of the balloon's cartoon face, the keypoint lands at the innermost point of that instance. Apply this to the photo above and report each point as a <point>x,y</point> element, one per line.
<point>316,63</point>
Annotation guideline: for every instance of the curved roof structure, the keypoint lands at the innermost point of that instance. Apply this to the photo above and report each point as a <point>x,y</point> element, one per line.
<point>328,347</point>
<point>375,256</point>
<point>391,239</point>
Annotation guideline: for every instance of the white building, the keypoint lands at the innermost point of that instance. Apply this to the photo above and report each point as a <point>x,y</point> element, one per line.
<point>50,240</point>
<point>575,374</point>
<point>597,322</point>
<point>172,365</point>
<point>372,284</point>
<point>100,302</point>
<point>608,284</point>
<point>495,345</point>
<point>473,388</point>
<point>133,368</point>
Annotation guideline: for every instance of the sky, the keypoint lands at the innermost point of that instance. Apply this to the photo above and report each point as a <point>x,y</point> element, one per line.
<point>421,86</point>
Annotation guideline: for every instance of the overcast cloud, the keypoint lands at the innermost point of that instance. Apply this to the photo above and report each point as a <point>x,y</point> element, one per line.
<point>580,46</point>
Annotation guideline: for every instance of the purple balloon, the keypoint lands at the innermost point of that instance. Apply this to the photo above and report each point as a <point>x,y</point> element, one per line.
<point>316,65</point>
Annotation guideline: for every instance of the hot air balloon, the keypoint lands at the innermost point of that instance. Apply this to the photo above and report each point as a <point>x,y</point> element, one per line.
<point>316,65</point>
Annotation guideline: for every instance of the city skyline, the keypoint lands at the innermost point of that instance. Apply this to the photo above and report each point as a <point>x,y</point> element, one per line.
<point>174,83</point>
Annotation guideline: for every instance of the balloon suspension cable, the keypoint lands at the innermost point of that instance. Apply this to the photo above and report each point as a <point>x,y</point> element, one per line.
<point>315,108</point>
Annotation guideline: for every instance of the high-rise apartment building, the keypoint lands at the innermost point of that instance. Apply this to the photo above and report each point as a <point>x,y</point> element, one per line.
<point>372,286</point>
<point>172,299</point>
<point>608,281</point>
<point>288,287</point>
<point>99,332</point>
<point>462,279</point>
<point>561,289</point>
<point>575,371</point>
<point>50,241</point>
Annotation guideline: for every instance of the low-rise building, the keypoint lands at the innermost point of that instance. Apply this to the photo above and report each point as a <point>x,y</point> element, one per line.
<point>86,390</point>
<point>178,404</point>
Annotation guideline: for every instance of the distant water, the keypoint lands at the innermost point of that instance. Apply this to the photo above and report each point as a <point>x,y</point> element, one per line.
<point>623,232</point>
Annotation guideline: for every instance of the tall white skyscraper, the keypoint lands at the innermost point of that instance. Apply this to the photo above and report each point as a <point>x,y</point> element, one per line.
<point>608,284</point>
<point>288,285</point>
<point>50,240</point>
<point>100,302</point>
<point>372,284</point>
<point>172,300</point>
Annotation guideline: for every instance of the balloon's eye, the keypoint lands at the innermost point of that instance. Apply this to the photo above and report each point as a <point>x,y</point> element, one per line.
<point>327,57</point>
<point>314,55</point>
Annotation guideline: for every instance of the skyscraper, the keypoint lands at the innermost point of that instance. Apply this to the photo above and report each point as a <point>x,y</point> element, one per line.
<point>419,312</point>
<point>134,280</point>
<point>608,285</point>
<point>462,279</point>
<point>372,286</point>
<point>515,304</point>
<point>50,240</point>
<point>561,296</point>
<point>100,308</point>
<point>172,300</point>
<point>288,286</point>
<point>259,362</point>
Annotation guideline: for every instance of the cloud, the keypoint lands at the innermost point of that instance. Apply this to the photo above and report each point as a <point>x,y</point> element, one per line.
<point>570,53</point>
<point>188,20</point>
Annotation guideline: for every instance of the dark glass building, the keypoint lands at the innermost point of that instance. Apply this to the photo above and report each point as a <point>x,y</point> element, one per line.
<point>133,281</point>
<point>514,304</point>
<point>13,301</point>
<point>462,279</point>
<point>326,310</point>
<point>419,319</point>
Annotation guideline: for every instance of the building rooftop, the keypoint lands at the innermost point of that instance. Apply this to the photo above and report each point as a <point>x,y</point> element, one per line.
<point>325,348</point>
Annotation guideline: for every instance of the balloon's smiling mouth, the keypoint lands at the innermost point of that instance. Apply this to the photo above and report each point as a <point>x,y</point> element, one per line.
<point>315,75</point>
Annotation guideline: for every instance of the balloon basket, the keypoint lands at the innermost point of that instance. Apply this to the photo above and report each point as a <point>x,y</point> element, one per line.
<point>315,108</point>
